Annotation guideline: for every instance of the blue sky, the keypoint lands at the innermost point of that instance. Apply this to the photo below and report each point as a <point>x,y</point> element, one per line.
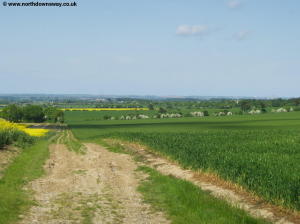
<point>157,47</point>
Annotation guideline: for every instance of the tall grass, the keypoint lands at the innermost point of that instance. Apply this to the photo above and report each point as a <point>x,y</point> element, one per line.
<point>10,136</point>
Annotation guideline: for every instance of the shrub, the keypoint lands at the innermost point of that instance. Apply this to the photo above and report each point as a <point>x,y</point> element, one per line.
<point>10,136</point>
<point>297,109</point>
<point>205,113</point>
<point>11,133</point>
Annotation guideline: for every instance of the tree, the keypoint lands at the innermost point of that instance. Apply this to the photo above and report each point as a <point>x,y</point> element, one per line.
<point>263,110</point>
<point>150,106</point>
<point>296,101</point>
<point>106,117</point>
<point>162,110</point>
<point>245,105</point>
<point>53,114</point>
<point>33,113</point>
<point>169,106</point>
<point>278,102</point>
<point>60,116</point>
<point>12,113</point>
<point>263,105</point>
<point>205,113</point>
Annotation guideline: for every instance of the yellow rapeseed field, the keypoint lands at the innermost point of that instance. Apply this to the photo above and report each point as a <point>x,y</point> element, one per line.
<point>37,132</point>
<point>102,109</point>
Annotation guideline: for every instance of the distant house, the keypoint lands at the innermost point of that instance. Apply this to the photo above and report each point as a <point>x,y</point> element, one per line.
<point>197,114</point>
<point>281,110</point>
<point>254,111</point>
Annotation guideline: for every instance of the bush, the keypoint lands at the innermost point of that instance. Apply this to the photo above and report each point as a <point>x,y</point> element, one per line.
<point>205,113</point>
<point>297,109</point>
<point>162,110</point>
<point>12,133</point>
<point>106,117</point>
<point>10,136</point>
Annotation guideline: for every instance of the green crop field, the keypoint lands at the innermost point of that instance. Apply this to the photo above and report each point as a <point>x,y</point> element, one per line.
<point>259,152</point>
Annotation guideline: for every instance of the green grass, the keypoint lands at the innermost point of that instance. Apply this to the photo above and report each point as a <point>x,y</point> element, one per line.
<point>72,143</point>
<point>184,202</point>
<point>259,152</point>
<point>116,147</point>
<point>25,168</point>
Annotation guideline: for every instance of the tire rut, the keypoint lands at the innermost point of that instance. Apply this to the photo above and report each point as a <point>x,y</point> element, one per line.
<point>97,187</point>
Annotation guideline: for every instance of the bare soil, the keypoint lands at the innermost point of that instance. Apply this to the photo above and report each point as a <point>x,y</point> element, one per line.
<point>96,187</point>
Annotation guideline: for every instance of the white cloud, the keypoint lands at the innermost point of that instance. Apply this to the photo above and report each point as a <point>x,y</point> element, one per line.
<point>242,35</point>
<point>188,30</point>
<point>233,4</point>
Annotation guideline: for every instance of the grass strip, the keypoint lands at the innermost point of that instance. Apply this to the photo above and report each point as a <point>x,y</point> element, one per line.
<point>184,202</point>
<point>73,143</point>
<point>14,200</point>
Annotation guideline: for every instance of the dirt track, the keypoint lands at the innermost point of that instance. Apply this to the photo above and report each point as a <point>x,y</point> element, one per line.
<point>97,187</point>
<point>100,187</point>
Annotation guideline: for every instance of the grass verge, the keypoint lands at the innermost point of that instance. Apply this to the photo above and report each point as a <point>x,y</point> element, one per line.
<point>184,202</point>
<point>28,166</point>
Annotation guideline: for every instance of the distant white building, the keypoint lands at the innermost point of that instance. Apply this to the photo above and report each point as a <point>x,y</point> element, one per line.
<point>221,113</point>
<point>197,114</point>
<point>142,116</point>
<point>254,111</point>
<point>281,110</point>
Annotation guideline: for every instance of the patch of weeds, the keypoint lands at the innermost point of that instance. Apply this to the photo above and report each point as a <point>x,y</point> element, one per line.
<point>112,145</point>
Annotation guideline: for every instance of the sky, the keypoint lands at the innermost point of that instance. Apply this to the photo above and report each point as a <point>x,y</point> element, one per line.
<point>152,47</point>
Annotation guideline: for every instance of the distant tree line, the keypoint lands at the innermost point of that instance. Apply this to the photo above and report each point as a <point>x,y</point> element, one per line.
<point>62,101</point>
<point>32,113</point>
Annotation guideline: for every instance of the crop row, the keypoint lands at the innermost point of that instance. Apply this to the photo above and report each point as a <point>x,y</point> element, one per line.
<point>265,162</point>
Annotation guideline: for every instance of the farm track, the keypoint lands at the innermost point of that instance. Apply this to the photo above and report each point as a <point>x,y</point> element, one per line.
<point>214,185</point>
<point>96,187</point>
<point>99,186</point>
